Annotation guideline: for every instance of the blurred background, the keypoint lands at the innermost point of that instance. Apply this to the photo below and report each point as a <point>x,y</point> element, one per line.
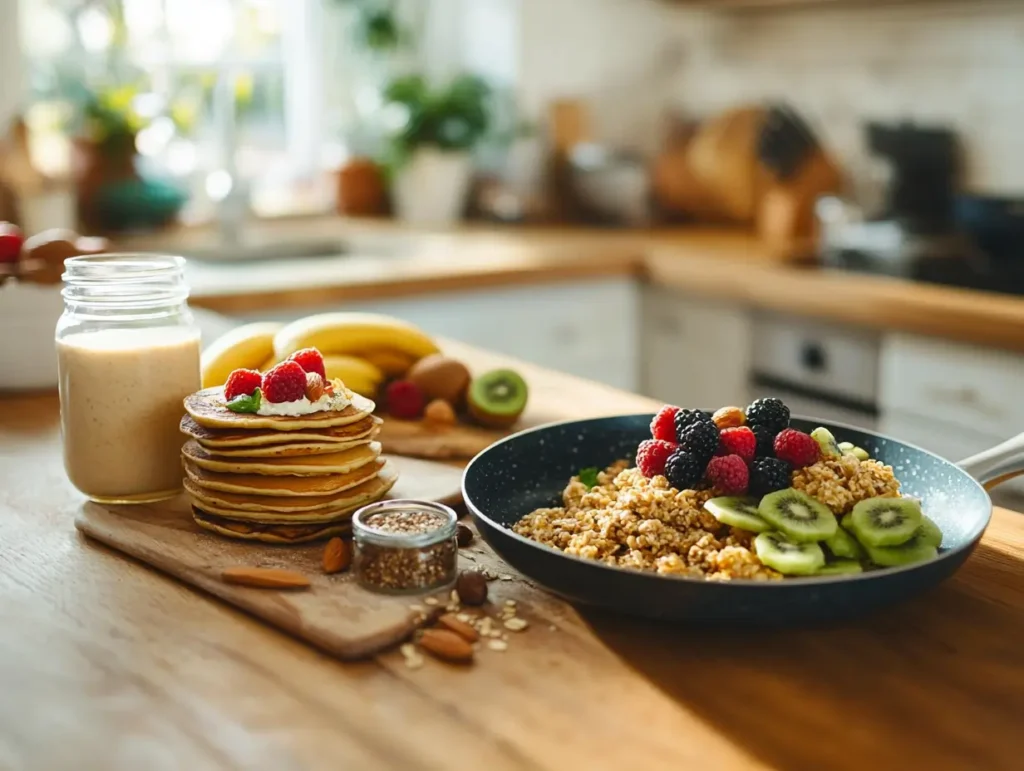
<point>505,171</point>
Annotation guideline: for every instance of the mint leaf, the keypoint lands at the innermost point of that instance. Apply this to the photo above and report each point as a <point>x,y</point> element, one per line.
<point>588,476</point>
<point>246,403</point>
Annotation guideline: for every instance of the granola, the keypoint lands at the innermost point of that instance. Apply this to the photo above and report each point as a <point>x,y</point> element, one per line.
<point>841,483</point>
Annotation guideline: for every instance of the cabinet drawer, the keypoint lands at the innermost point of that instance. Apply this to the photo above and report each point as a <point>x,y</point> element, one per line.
<point>975,388</point>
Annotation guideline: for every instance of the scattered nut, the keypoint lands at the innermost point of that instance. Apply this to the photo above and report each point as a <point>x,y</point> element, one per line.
<point>497,645</point>
<point>510,603</point>
<point>463,535</point>
<point>412,657</point>
<point>459,626</point>
<point>431,601</point>
<point>314,386</point>
<point>729,417</point>
<point>465,617</point>
<point>471,587</point>
<point>446,645</point>
<point>264,578</point>
<point>516,624</point>
<point>505,577</point>
<point>337,552</point>
<point>439,411</point>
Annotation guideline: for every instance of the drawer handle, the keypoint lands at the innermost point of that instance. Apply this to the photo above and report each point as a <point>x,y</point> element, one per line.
<point>964,396</point>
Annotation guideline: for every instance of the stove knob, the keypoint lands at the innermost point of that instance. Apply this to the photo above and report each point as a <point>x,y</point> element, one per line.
<point>812,356</point>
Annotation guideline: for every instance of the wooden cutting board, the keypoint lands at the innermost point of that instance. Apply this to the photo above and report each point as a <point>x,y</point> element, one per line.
<point>335,614</point>
<point>422,439</point>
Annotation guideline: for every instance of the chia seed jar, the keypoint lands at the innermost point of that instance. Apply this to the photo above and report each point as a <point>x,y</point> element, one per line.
<point>405,546</point>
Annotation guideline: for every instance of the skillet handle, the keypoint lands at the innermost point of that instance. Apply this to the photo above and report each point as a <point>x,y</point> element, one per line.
<point>996,465</point>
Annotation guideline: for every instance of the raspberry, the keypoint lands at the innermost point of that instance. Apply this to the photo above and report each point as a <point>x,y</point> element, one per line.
<point>684,470</point>
<point>699,438</point>
<point>242,382</point>
<point>285,382</point>
<point>664,424</point>
<point>738,441</point>
<point>769,413</point>
<point>405,400</point>
<point>651,456</point>
<point>768,475</point>
<point>729,474</point>
<point>310,360</point>
<point>797,448</point>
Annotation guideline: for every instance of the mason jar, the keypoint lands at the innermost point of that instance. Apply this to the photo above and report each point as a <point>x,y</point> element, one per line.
<point>127,355</point>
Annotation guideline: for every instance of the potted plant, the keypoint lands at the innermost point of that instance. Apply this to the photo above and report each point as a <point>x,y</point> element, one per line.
<point>432,132</point>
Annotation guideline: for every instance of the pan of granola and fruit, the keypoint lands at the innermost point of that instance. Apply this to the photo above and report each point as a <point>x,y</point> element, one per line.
<point>745,515</point>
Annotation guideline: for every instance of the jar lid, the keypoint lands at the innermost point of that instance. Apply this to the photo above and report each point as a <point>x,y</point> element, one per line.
<point>404,523</point>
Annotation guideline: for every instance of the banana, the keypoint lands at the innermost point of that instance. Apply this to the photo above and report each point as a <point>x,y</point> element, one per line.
<point>270,362</point>
<point>353,371</point>
<point>353,334</point>
<point>389,361</point>
<point>244,347</point>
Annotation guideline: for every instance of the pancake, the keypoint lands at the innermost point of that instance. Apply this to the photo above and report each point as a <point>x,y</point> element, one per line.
<point>207,408</point>
<point>261,437</point>
<point>265,508</point>
<point>295,450</point>
<point>282,534</point>
<point>306,465</point>
<point>281,486</point>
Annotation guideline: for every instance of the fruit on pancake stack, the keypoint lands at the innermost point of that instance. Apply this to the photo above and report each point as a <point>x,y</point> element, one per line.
<point>284,456</point>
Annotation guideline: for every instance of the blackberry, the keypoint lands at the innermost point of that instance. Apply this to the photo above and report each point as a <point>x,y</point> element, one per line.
<point>768,475</point>
<point>765,441</point>
<point>684,470</point>
<point>769,413</point>
<point>700,439</point>
<point>686,418</point>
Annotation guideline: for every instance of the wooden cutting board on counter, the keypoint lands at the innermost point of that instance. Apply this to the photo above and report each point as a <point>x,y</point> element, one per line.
<point>423,439</point>
<point>335,614</point>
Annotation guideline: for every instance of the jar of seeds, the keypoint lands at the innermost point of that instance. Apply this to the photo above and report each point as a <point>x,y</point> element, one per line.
<point>404,546</point>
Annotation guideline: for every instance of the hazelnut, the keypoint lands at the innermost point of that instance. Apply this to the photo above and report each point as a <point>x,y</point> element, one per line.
<point>471,587</point>
<point>463,535</point>
<point>439,411</point>
<point>729,417</point>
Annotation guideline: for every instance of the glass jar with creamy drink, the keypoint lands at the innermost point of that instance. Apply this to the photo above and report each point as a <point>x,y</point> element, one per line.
<point>128,354</point>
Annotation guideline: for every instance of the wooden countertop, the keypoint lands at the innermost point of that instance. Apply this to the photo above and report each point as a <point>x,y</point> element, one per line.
<point>387,260</point>
<point>106,664</point>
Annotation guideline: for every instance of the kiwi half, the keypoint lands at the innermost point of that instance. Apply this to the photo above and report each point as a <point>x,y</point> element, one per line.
<point>790,558</point>
<point>908,552</point>
<point>798,515</point>
<point>826,441</point>
<point>840,568</point>
<point>737,511</point>
<point>886,521</point>
<point>842,544</point>
<point>497,398</point>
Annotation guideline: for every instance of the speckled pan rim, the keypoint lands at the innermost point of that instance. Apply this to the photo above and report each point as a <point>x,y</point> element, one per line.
<point>744,583</point>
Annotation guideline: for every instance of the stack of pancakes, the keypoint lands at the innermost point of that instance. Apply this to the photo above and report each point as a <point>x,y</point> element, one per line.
<point>281,479</point>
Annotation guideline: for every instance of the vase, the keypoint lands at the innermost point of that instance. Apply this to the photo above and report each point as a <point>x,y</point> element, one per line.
<point>431,187</point>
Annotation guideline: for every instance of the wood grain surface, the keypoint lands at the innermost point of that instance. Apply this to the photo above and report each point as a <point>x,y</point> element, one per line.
<point>422,439</point>
<point>106,664</point>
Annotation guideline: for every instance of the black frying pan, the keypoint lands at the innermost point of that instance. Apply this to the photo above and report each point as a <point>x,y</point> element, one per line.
<point>530,469</point>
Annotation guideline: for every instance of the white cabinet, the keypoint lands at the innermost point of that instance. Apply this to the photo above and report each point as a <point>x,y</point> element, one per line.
<point>695,352</point>
<point>588,328</point>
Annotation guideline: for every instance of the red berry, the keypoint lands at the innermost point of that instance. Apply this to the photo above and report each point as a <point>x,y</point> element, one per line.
<point>664,424</point>
<point>285,382</point>
<point>310,360</point>
<point>651,456</point>
<point>729,474</point>
<point>405,400</point>
<point>11,240</point>
<point>796,448</point>
<point>737,441</point>
<point>242,382</point>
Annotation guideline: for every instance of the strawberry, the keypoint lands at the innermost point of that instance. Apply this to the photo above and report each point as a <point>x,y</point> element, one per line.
<point>242,382</point>
<point>311,360</point>
<point>286,382</point>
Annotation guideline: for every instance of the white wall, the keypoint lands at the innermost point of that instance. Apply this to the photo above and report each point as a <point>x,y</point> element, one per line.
<point>12,82</point>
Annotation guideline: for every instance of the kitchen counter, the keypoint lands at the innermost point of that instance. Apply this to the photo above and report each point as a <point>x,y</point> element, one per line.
<point>106,664</point>
<point>387,260</point>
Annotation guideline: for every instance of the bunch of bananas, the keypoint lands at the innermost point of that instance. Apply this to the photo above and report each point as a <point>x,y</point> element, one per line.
<point>363,349</point>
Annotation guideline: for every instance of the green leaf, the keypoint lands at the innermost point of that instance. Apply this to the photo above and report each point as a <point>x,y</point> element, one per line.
<point>246,403</point>
<point>588,476</point>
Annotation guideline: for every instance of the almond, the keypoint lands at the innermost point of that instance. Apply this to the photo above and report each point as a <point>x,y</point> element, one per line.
<point>729,417</point>
<point>337,555</point>
<point>446,645</point>
<point>461,628</point>
<point>264,578</point>
<point>314,386</point>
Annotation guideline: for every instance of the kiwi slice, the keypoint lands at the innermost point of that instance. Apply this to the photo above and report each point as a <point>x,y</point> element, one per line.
<point>840,568</point>
<point>849,448</point>
<point>929,532</point>
<point>842,544</point>
<point>908,552</point>
<point>737,511</point>
<point>497,398</point>
<point>826,441</point>
<point>798,515</point>
<point>847,522</point>
<point>790,558</point>
<point>886,521</point>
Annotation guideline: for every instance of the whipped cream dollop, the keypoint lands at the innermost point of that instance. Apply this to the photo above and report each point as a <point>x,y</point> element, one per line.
<point>339,400</point>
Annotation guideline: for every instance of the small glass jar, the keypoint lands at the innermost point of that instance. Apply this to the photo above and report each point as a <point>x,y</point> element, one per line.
<point>405,546</point>
<point>127,354</point>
